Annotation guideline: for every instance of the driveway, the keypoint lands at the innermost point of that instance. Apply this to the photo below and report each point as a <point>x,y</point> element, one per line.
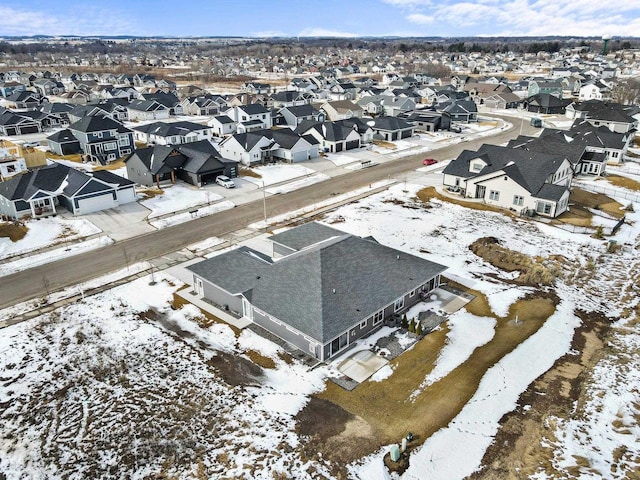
<point>125,221</point>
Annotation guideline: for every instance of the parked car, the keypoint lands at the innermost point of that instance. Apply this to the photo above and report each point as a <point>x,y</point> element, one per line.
<point>429,161</point>
<point>225,181</point>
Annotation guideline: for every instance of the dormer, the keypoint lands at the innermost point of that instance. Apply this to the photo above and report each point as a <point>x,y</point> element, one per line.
<point>476,165</point>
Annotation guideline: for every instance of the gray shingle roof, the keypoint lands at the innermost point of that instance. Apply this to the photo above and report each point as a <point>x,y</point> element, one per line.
<point>323,289</point>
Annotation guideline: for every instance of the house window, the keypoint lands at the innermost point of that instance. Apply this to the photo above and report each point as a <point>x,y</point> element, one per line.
<point>476,167</point>
<point>544,208</point>
<point>494,195</point>
<point>123,141</point>
<point>399,303</point>
<point>378,317</point>
<point>99,134</point>
<point>518,200</point>
<point>363,324</point>
<point>110,146</point>
<point>412,293</point>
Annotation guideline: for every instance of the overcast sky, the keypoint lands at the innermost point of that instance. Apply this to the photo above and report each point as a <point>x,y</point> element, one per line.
<point>345,18</point>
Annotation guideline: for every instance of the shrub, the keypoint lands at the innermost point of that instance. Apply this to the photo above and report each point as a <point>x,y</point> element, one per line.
<point>412,327</point>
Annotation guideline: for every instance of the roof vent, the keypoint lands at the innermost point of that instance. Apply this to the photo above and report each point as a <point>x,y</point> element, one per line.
<point>334,290</point>
<point>397,257</point>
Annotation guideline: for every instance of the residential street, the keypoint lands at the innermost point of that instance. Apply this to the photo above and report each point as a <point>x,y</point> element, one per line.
<point>50,277</point>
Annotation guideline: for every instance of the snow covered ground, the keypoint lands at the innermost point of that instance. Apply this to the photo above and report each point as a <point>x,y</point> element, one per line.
<point>119,382</point>
<point>179,197</point>
<point>47,232</point>
<point>272,174</point>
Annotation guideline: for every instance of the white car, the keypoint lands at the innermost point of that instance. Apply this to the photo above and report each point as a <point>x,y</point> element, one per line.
<point>225,181</point>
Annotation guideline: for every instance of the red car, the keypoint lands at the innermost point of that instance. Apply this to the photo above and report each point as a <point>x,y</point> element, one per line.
<point>429,161</point>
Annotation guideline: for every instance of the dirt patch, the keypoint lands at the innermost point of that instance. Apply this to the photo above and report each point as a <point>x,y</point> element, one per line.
<point>383,144</point>
<point>533,271</point>
<point>399,404</point>
<point>518,448</point>
<point>148,193</point>
<point>236,370</point>
<point>206,319</point>
<point>596,201</point>
<point>247,172</point>
<point>429,193</point>
<point>112,166</point>
<point>322,419</point>
<point>260,360</point>
<point>14,231</point>
<point>624,182</point>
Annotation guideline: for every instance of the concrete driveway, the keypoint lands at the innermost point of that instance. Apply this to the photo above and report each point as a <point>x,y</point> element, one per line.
<point>125,221</point>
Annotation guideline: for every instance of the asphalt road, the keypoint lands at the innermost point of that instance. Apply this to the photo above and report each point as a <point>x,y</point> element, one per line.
<point>37,281</point>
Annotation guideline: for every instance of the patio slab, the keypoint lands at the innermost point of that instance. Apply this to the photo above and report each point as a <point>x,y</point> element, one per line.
<point>361,365</point>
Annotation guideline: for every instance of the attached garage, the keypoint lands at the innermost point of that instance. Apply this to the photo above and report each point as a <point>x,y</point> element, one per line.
<point>95,203</point>
<point>126,195</point>
<point>300,156</point>
<point>28,129</point>
<point>353,144</point>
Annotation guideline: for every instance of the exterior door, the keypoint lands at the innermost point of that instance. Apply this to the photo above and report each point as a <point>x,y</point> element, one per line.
<point>339,343</point>
<point>480,191</point>
<point>247,311</point>
<point>199,287</point>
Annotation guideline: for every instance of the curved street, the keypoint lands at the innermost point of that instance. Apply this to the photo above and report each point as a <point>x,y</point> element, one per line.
<point>50,277</point>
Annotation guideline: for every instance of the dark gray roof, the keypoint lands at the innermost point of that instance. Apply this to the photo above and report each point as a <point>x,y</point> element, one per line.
<point>98,124</point>
<point>63,136</point>
<point>305,235</point>
<point>530,169</point>
<point>390,123</point>
<point>166,129</point>
<point>324,289</point>
<point>112,178</point>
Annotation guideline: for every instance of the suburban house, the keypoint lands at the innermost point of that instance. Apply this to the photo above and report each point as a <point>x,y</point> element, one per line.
<point>333,136</point>
<point>391,128</point>
<point>268,146</point>
<point>502,101</point>
<point>593,90</point>
<point>7,88</point>
<point>23,99</point>
<point>617,118</point>
<point>15,123</point>
<point>426,120</point>
<point>197,163</point>
<point>295,115</point>
<point>64,142</point>
<point>205,104</point>
<point>147,110</point>
<point>341,109</point>
<point>321,290</point>
<point>612,145</point>
<point>40,192</point>
<point>256,87</point>
<point>520,180</point>
<point>550,87</point>
<point>290,98</point>
<point>222,125</point>
<point>173,133</point>
<point>464,111</point>
<point>250,117</point>
<point>545,103</point>
<point>102,139</point>
<point>46,87</point>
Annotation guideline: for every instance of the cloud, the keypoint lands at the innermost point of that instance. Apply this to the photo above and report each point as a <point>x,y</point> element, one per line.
<point>523,17</point>
<point>93,21</point>
<point>420,18</point>
<point>323,32</point>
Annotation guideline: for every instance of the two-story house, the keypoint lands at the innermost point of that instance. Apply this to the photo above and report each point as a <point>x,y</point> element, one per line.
<point>520,180</point>
<point>102,139</point>
<point>250,117</point>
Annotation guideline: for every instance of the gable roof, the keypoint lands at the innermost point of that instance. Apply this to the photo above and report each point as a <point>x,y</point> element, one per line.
<point>530,169</point>
<point>98,123</point>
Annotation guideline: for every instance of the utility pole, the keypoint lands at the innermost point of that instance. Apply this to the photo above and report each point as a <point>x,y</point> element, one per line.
<point>264,205</point>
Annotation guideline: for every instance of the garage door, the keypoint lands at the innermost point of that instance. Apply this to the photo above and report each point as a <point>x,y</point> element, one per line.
<point>126,195</point>
<point>299,156</point>
<point>31,129</point>
<point>353,144</point>
<point>338,147</point>
<point>95,204</point>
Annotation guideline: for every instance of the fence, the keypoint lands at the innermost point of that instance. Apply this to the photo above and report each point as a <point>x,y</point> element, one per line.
<point>607,231</point>
<point>611,192</point>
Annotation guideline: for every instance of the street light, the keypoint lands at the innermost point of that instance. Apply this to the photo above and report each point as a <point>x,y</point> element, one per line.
<point>264,205</point>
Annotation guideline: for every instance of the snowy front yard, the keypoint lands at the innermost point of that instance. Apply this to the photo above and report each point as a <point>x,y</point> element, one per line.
<point>179,197</point>
<point>120,385</point>
<point>272,174</point>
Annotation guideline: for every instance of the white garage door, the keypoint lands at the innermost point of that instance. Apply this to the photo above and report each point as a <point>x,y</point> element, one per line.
<point>95,204</point>
<point>126,195</point>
